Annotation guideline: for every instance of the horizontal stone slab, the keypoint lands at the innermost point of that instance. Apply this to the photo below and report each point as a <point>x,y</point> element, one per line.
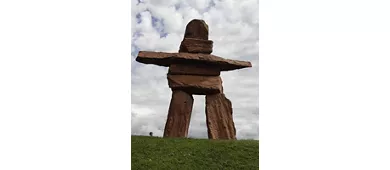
<point>166,59</point>
<point>188,69</point>
<point>200,85</point>
<point>192,45</point>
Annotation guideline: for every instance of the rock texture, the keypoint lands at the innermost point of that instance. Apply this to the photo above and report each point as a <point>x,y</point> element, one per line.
<point>197,29</point>
<point>200,85</point>
<point>166,59</point>
<point>219,117</point>
<point>189,69</point>
<point>179,114</point>
<point>191,45</point>
<point>195,71</point>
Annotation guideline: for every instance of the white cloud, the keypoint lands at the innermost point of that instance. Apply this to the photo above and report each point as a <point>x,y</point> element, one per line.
<point>199,5</point>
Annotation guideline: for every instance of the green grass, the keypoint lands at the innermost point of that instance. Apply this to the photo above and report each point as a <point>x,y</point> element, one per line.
<point>193,154</point>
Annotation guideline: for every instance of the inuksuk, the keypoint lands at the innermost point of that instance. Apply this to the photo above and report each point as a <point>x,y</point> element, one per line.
<point>195,71</point>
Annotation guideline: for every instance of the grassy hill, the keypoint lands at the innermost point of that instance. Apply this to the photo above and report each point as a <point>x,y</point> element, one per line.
<point>193,154</point>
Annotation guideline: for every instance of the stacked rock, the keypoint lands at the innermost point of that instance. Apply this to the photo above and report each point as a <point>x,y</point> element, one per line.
<point>194,71</point>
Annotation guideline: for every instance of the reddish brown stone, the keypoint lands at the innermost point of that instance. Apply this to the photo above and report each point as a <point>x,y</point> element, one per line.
<point>179,114</point>
<point>190,69</point>
<point>166,59</point>
<point>196,84</point>
<point>197,29</point>
<point>219,117</point>
<point>195,71</point>
<point>191,45</point>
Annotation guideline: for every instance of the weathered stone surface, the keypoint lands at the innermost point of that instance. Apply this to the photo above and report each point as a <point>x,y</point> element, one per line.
<point>179,114</point>
<point>195,71</point>
<point>166,59</point>
<point>191,45</point>
<point>197,29</point>
<point>219,117</point>
<point>190,69</point>
<point>196,84</point>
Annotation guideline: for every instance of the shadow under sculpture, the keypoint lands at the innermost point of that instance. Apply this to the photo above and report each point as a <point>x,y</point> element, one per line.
<point>193,70</point>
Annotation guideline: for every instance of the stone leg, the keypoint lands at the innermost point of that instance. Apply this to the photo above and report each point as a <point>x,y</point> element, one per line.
<point>179,114</point>
<point>219,117</point>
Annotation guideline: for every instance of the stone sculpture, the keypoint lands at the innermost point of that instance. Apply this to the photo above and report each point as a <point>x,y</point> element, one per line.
<point>194,71</point>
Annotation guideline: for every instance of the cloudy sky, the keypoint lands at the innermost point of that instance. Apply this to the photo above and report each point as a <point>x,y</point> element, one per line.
<point>159,26</point>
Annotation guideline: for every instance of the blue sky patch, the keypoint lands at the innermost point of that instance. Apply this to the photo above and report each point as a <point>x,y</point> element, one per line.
<point>138,17</point>
<point>158,25</point>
